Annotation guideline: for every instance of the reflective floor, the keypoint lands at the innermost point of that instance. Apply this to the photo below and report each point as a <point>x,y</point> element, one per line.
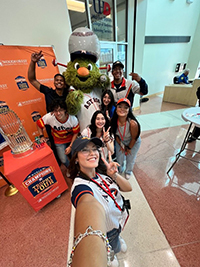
<point>174,200</point>
<point>164,225</point>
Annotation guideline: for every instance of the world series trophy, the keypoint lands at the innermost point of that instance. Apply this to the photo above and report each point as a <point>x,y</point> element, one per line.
<point>14,133</point>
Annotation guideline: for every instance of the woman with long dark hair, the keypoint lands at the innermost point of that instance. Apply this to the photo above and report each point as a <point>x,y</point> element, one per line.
<point>108,103</point>
<point>100,127</point>
<point>126,130</point>
<point>96,182</point>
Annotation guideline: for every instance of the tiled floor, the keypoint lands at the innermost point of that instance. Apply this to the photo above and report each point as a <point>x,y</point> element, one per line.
<point>147,245</point>
<point>174,199</point>
<point>164,225</point>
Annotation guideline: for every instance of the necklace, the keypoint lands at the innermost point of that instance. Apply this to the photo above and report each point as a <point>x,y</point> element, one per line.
<point>121,135</point>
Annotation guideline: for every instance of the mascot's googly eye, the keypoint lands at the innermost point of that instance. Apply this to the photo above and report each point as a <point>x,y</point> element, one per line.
<point>89,67</point>
<point>76,66</point>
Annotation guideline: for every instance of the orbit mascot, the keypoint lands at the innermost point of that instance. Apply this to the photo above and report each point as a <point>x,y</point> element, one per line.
<point>83,76</point>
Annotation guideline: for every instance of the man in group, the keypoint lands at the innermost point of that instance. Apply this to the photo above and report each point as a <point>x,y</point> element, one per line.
<point>64,129</point>
<point>60,91</point>
<point>122,87</point>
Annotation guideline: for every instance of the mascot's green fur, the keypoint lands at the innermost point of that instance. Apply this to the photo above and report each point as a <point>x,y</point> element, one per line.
<point>83,75</point>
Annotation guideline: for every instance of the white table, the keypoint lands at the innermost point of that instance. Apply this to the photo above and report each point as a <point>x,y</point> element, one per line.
<point>191,115</point>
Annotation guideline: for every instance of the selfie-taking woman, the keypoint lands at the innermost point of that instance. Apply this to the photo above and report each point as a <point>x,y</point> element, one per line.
<point>97,182</point>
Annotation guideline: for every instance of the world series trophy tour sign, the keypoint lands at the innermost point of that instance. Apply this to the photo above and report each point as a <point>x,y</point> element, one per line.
<point>32,170</point>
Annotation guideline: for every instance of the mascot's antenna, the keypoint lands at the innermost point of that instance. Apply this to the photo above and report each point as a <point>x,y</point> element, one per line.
<point>55,63</point>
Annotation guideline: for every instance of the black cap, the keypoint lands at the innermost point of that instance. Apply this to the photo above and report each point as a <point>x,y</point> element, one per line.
<point>81,142</point>
<point>117,63</point>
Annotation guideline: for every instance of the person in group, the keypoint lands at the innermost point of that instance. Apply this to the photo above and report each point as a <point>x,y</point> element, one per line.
<point>60,91</point>
<point>183,78</point>
<point>108,103</point>
<point>126,130</point>
<point>100,127</point>
<point>122,87</point>
<point>97,181</point>
<point>196,131</point>
<point>64,129</point>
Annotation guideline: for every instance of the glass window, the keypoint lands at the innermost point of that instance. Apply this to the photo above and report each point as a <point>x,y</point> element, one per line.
<point>121,53</point>
<point>121,21</point>
<point>102,19</point>
<point>106,58</point>
<point>77,14</point>
<point>111,28</point>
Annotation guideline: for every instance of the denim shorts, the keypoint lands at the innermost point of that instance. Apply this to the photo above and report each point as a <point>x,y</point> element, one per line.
<point>113,237</point>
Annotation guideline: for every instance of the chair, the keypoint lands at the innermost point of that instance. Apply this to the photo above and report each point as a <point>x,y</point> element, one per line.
<point>175,79</point>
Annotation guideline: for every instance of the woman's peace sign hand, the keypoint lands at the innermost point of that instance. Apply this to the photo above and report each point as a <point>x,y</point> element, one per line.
<point>112,167</point>
<point>106,134</point>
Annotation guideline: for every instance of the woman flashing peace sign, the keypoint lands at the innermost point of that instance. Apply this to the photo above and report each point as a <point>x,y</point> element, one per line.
<point>99,205</point>
<point>99,127</point>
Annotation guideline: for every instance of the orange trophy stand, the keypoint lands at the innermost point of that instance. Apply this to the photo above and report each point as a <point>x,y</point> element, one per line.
<point>37,176</point>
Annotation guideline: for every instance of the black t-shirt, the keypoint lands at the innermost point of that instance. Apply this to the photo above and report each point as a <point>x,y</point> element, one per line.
<point>50,95</point>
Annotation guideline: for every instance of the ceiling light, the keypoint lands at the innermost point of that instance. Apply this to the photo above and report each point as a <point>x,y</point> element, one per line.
<point>77,6</point>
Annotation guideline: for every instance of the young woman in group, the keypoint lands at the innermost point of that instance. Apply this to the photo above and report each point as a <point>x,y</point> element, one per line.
<point>100,128</point>
<point>126,130</point>
<point>98,202</point>
<point>108,103</point>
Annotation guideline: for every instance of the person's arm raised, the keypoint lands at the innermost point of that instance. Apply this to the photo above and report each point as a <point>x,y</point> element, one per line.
<point>91,251</point>
<point>35,57</point>
<point>141,81</point>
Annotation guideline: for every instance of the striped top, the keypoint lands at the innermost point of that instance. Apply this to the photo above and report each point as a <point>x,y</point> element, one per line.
<point>62,132</point>
<point>113,214</point>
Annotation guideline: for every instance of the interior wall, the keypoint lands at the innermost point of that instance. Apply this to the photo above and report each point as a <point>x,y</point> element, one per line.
<point>36,22</point>
<point>140,34</point>
<point>130,35</point>
<point>139,43</point>
<point>194,56</point>
<point>167,18</point>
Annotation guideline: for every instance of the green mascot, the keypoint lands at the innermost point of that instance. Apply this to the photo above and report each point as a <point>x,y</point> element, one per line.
<point>83,76</point>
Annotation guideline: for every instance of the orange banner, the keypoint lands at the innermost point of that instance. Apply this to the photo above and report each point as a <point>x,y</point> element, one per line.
<point>15,90</point>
